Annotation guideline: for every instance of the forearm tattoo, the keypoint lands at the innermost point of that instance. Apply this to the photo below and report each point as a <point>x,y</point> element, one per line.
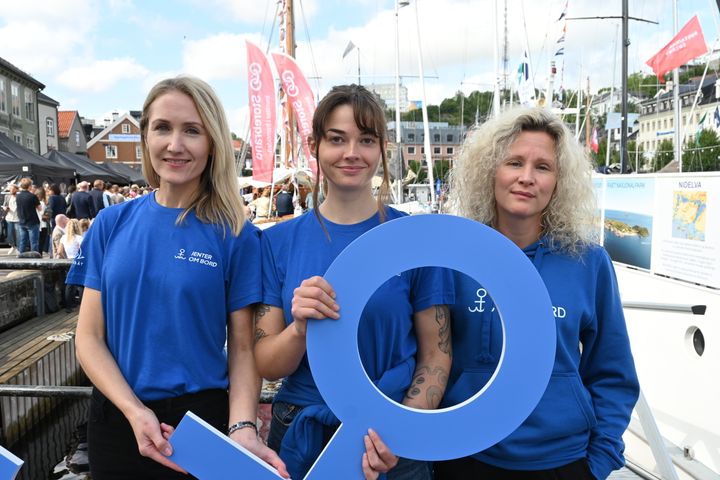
<point>422,382</point>
<point>260,311</point>
<point>442,318</point>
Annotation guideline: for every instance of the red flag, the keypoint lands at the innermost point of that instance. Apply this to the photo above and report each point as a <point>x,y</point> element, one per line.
<point>300,96</point>
<point>594,145</point>
<point>261,94</point>
<point>689,43</point>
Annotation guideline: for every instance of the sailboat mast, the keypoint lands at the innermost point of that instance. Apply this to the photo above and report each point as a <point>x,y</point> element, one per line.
<point>676,98</point>
<point>624,123</point>
<point>289,48</point>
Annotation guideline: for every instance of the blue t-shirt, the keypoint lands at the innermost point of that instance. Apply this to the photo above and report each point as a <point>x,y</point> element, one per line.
<point>298,249</point>
<point>167,292</point>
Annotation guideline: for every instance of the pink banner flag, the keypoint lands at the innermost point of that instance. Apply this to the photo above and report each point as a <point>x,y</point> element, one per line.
<point>261,95</point>
<point>300,97</point>
<point>689,43</point>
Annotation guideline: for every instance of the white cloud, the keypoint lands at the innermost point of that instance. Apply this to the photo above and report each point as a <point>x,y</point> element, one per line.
<point>101,75</point>
<point>252,11</point>
<point>217,57</point>
<point>239,118</point>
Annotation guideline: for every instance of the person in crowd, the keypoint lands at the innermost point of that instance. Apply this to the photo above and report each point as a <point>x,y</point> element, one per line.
<point>405,326</point>
<point>57,233</point>
<point>84,225</point>
<point>115,195</point>
<point>69,247</point>
<point>99,199</point>
<point>11,217</point>
<point>82,204</point>
<point>524,175</point>
<point>44,214</point>
<point>57,205</point>
<point>199,264</point>
<point>284,202</point>
<point>28,227</point>
<point>261,205</point>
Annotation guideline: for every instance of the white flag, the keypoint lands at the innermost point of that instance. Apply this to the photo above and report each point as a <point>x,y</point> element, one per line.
<point>349,48</point>
<point>526,90</point>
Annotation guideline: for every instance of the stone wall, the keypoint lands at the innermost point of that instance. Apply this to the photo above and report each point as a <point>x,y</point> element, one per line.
<point>26,293</point>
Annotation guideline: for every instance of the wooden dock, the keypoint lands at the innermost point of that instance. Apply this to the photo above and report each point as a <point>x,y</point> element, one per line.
<point>40,351</point>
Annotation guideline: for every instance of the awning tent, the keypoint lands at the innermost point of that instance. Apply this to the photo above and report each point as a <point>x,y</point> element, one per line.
<point>280,175</point>
<point>134,175</point>
<point>17,162</point>
<point>86,169</point>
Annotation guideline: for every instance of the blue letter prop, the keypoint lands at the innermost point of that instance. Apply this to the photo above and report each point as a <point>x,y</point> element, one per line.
<point>9,464</point>
<point>474,425</point>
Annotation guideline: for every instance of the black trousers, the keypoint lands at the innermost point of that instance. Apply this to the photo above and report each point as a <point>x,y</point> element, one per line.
<point>112,449</point>
<point>470,469</point>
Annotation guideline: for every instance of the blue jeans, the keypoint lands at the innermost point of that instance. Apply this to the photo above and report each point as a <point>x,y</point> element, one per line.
<point>284,413</point>
<point>12,234</point>
<point>25,232</point>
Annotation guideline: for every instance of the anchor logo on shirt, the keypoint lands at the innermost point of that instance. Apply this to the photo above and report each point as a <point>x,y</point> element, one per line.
<point>181,254</point>
<point>480,302</point>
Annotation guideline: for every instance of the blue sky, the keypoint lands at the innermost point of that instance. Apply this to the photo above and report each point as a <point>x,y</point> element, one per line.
<point>100,56</point>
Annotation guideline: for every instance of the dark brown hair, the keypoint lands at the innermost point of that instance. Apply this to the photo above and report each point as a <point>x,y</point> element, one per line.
<point>369,118</point>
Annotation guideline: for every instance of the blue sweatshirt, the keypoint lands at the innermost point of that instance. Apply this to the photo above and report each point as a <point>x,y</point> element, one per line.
<point>593,388</point>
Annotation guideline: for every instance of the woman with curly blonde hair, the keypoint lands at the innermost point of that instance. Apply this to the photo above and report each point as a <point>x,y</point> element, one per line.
<point>523,174</point>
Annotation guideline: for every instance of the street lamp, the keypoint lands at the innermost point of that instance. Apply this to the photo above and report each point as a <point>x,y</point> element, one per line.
<point>398,137</point>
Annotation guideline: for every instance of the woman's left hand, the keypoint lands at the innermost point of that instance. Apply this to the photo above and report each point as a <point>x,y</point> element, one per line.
<point>377,458</point>
<point>249,439</point>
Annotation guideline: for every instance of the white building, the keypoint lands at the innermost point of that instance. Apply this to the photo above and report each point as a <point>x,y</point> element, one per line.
<point>386,91</point>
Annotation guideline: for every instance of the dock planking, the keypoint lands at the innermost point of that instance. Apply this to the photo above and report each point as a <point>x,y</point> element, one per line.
<point>29,357</point>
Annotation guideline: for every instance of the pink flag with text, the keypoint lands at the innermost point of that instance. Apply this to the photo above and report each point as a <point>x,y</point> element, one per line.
<point>300,97</point>
<point>261,95</point>
<point>689,43</point>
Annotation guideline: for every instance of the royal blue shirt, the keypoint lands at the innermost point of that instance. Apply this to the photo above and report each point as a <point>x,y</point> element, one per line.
<point>167,291</point>
<point>298,249</point>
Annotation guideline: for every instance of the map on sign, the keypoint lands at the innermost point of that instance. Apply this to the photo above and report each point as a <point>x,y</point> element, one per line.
<point>689,214</point>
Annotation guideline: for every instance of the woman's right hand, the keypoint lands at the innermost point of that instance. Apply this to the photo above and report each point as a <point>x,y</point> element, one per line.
<point>151,437</point>
<point>314,298</point>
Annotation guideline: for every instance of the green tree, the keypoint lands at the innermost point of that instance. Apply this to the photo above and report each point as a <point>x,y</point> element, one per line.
<point>702,152</point>
<point>420,173</point>
<point>642,84</point>
<point>664,154</point>
<point>441,168</point>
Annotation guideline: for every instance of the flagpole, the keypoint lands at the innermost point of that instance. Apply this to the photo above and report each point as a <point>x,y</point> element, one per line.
<point>676,98</point>
<point>624,82</point>
<point>612,99</point>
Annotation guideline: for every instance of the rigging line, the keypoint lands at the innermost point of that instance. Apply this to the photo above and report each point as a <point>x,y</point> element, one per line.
<point>272,29</point>
<point>267,10</point>
<point>527,44</point>
<point>312,54</point>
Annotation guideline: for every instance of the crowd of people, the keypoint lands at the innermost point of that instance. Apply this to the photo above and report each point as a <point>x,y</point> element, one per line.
<point>230,305</point>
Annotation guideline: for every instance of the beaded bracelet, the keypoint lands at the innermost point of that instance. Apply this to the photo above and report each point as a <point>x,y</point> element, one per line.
<point>239,425</point>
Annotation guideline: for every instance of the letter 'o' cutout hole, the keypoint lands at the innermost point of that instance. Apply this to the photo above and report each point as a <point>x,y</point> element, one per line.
<point>695,341</point>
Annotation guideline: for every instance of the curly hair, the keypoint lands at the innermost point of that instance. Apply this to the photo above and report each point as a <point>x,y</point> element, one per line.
<point>568,220</point>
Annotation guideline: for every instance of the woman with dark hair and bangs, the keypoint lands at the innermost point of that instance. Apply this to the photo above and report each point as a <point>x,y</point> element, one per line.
<point>404,335</point>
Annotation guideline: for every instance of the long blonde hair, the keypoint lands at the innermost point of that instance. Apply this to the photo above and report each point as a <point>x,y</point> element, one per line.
<point>567,221</point>
<point>72,228</point>
<point>218,198</point>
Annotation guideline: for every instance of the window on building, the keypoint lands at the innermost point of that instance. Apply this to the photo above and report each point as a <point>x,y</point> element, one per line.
<point>422,150</point>
<point>411,137</point>
<point>77,138</point>
<point>437,151</point>
<point>450,150</point>
<point>3,99</point>
<point>29,104</point>
<point>15,91</point>
<point>411,150</point>
<point>17,137</point>
<point>436,137</point>
<point>50,127</point>
<point>389,154</point>
<point>449,138</point>
<point>138,152</point>
<point>110,151</point>
<point>30,142</point>
<point>125,128</point>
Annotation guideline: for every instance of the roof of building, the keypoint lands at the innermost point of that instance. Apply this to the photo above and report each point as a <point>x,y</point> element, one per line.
<point>65,121</point>
<point>4,64</point>
<point>109,128</point>
<point>47,100</point>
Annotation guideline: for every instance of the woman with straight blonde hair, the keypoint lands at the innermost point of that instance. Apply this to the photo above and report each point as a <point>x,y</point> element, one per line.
<point>170,277</point>
<point>524,175</point>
